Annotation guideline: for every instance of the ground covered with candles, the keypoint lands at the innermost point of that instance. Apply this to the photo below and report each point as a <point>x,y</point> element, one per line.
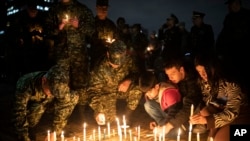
<point>74,131</point>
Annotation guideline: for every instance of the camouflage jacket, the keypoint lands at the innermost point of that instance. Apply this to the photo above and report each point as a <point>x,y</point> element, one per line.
<point>104,79</point>
<point>69,38</point>
<point>29,98</point>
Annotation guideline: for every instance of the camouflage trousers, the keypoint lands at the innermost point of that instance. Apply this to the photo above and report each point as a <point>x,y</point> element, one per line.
<point>63,110</point>
<point>107,103</point>
<point>34,114</point>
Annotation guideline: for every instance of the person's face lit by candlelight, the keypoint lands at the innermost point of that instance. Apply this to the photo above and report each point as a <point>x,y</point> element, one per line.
<point>102,12</point>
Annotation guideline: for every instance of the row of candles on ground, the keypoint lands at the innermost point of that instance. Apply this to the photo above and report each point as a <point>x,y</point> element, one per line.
<point>122,135</point>
<point>157,136</point>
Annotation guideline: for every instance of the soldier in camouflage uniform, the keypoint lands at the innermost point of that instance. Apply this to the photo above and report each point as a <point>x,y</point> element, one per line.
<point>70,24</point>
<point>65,98</point>
<point>35,92</point>
<point>105,31</point>
<point>31,99</point>
<point>116,77</point>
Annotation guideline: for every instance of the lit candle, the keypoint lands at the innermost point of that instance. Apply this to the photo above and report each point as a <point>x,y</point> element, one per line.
<point>190,126</point>
<point>124,126</point>
<point>108,126</point>
<point>130,135</point>
<point>78,139</point>
<point>94,134</point>
<point>84,131</point>
<point>99,133</point>
<point>118,127</point>
<point>67,17</point>
<point>211,139</point>
<point>62,136</point>
<point>163,133</point>
<point>155,133</point>
<point>139,132</point>
<point>74,138</point>
<point>198,136</point>
<point>189,135</point>
<point>54,136</point>
<point>178,135</point>
<point>48,136</point>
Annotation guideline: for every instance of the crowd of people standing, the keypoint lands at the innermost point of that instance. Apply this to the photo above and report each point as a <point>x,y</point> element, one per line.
<point>68,58</point>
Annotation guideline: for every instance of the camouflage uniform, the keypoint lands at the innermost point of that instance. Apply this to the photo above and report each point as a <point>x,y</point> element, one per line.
<point>104,29</point>
<point>29,104</point>
<point>65,98</point>
<point>104,82</point>
<point>70,43</point>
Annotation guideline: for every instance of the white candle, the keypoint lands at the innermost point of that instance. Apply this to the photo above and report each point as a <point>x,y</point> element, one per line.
<point>155,133</point>
<point>99,133</point>
<point>124,126</point>
<point>108,126</point>
<point>62,136</point>
<point>192,110</point>
<point>94,134</point>
<point>130,135</point>
<point>198,136</point>
<point>54,136</point>
<point>84,131</point>
<point>74,138</point>
<point>178,135</point>
<point>78,139</point>
<point>48,136</point>
<point>139,132</point>
<point>163,132</point>
<point>189,135</point>
<point>211,139</point>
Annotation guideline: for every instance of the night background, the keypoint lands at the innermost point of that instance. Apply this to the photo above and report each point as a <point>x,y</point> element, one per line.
<point>153,13</point>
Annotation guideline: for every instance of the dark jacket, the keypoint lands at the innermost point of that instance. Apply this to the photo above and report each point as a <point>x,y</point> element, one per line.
<point>191,94</point>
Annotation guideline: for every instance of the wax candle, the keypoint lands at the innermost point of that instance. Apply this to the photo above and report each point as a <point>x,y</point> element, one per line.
<point>189,135</point>
<point>54,136</point>
<point>155,133</point>
<point>124,126</point>
<point>99,133</point>
<point>198,136</point>
<point>62,136</point>
<point>84,131</point>
<point>48,136</point>
<point>130,135</point>
<point>108,126</point>
<point>178,135</point>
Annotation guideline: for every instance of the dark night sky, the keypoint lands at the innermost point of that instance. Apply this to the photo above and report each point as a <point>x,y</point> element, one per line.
<point>151,14</point>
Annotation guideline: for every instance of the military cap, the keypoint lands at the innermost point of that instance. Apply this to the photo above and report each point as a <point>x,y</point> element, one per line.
<point>58,79</point>
<point>102,2</point>
<point>231,1</point>
<point>173,17</point>
<point>117,52</point>
<point>197,14</point>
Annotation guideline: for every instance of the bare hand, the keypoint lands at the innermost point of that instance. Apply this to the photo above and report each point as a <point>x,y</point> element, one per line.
<point>198,119</point>
<point>74,22</point>
<point>123,87</point>
<point>152,125</point>
<point>100,119</point>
